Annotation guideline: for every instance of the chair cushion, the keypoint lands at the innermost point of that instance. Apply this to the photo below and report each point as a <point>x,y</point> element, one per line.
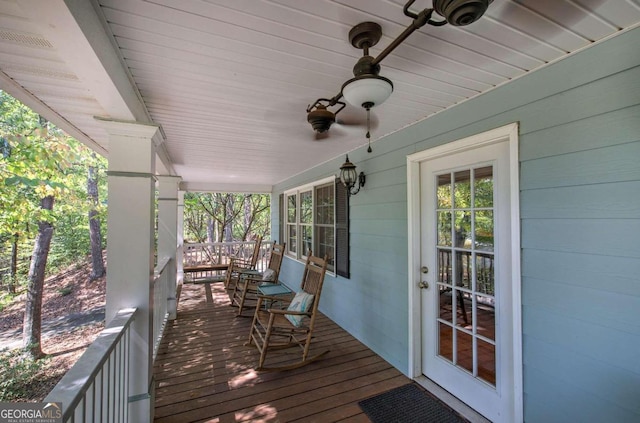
<point>269,275</point>
<point>301,302</point>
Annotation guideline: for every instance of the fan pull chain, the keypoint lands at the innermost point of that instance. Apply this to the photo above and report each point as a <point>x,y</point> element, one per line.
<point>369,150</point>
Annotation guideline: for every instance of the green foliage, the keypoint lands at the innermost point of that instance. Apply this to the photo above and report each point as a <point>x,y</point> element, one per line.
<point>457,197</point>
<point>226,217</point>
<point>17,371</point>
<point>38,159</point>
<point>65,291</point>
<point>6,298</point>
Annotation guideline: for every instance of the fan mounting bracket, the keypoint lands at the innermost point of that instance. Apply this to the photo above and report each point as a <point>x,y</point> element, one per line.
<point>365,35</point>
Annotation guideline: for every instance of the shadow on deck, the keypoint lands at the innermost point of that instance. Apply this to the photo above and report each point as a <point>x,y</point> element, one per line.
<point>205,373</point>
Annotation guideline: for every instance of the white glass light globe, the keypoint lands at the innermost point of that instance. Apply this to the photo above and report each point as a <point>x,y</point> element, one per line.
<point>374,90</point>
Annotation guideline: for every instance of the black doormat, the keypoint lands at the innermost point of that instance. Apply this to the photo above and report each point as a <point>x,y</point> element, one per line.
<point>408,404</point>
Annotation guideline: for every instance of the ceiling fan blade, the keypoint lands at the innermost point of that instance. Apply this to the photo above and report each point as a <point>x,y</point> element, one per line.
<point>356,117</point>
<point>318,136</point>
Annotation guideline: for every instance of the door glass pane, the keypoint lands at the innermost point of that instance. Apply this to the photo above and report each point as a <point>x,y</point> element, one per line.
<point>485,282</point>
<point>463,229</point>
<point>483,187</point>
<point>487,362</point>
<point>444,228</point>
<point>445,304</point>
<point>445,341</point>
<point>463,269</point>
<point>484,230</point>
<point>464,316</point>
<point>444,266</point>
<point>464,350</point>
<point>486,315</point>
<point>444,191</point>
<point>462,189</point>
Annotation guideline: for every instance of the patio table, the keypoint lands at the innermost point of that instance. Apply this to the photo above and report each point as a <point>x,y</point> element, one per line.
<point>274,290</point>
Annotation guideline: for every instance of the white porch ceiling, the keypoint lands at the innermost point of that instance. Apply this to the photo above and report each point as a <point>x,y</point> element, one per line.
<point>229,80</point>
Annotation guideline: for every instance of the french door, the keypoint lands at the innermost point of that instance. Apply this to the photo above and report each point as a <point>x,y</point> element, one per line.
<point>466,282</point>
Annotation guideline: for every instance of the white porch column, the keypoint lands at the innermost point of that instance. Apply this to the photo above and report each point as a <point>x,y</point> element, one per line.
<point>130,249</point>
<point>180,260</point>
<point>168,233</point>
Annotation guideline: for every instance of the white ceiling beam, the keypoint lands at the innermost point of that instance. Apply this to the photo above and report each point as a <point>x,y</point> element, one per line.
<point>28,99</point>
<point>226,187</point>
<point>79,34</point>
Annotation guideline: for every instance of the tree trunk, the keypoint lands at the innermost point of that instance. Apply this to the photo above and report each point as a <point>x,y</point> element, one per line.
<point>97,264</point>
<point>228,219</point>
<point>14,263</point>
<point>210,230</point>
<point>32,328</point>
<point>248,217</point>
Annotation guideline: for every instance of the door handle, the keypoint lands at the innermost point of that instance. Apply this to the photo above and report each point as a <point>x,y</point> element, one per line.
<point>423,285</point>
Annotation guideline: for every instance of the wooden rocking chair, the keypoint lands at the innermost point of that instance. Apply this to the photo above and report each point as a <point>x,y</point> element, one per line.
<point>246,286</point>
<point>240,265</point>
<point>274,329</point>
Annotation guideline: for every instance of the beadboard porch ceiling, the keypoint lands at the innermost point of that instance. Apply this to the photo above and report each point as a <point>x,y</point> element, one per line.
<point>228,81</point>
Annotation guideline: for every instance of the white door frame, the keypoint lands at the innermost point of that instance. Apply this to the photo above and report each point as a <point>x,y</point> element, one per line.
<point>505,133</point>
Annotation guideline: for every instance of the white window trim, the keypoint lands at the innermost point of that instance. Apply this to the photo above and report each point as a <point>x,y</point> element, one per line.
<point>300,256</point>
<point>310,185</point>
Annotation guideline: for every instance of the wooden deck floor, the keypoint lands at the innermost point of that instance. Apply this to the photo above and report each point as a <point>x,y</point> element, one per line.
<point>205,373</point>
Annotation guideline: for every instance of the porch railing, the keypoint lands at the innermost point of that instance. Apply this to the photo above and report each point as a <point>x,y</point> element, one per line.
<point>96,388</point>
<point>161,298</point>
<point>220,252</point>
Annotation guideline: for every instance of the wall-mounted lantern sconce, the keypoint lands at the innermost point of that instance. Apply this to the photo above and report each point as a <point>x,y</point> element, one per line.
<point>349,177</point>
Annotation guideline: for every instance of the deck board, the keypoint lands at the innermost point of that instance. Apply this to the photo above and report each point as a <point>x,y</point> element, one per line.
<point>205,372</point>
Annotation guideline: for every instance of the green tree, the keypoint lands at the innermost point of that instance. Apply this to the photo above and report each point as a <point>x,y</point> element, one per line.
<point>95,234</point>
<point>17,203</point>
<point>217,217</point>
<point>82,213</point>
<point>36,169</point>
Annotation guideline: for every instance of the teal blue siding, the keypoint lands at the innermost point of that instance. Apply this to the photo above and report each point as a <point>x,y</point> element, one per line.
<point>602,272</point>
<point>579,159</point>
<point>600,201</point>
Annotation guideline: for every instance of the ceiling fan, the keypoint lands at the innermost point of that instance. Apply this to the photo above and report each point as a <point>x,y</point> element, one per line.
<point>367,88</point>
<point>322,116</point>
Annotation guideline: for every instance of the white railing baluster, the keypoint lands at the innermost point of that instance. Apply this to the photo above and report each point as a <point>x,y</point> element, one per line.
<point>86,390</point>
<point>161,298</point>
<point>220,252</point>
<point>96,388</point>
<point>125,382</point>
<point>97,411</point>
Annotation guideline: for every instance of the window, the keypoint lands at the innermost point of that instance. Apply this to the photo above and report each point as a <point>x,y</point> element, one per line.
<point>306,223</point>
<point>292,219</point>
<point>317,220</point>
<point>324,226</point>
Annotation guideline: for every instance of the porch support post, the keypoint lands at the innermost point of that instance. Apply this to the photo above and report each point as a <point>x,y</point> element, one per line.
<point>130,249</point>
<point>168,234</point>
<point>180,259</point>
